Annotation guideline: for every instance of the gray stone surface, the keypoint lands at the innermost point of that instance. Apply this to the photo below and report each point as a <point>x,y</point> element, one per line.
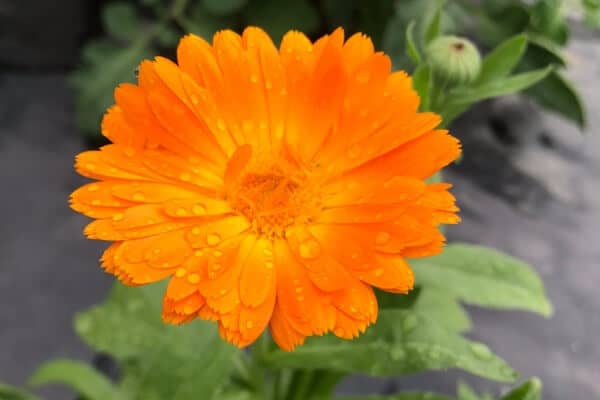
<point>41,34</point>
<point>539,202</point>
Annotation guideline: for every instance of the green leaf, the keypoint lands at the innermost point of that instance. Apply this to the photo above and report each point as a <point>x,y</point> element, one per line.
<point>81,377</point>
<point>401,342</point>
<point>501,61</point>
<point>160,361</point>
<point>542,51</point>
<point>422,82</point>
<point>484,277</point>
<point>411,48</point>
<point>443,308</point>
<point>465,392</point>
<point>498,87</point>
<point>120,19</point>
<point>8,392</point>
<point>277,17</point>
<point>530,390</point>
<point>224,7</point>
<point>433,29</point>
<point>558,94</point>
<point>104,66</point>
<point>400,396</point>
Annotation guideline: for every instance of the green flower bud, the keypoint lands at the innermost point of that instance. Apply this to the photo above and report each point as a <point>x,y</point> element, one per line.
<point>454,60</point>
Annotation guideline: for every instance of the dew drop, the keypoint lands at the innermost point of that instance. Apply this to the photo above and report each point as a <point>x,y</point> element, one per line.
<point>353,152</point>
<point>363,77</point>
<point>181,212</point>
<point>409,323</point>
<point>481,351</point>
<point>268,252</point>
<point>309,249</point>
<point>249,324</point>
<point>187,309</point>
<point>196,231</point>
<point>397,353</point>
<point>352,185</point>
<point>223,292</point>
<point>247,126</point>
<point>193,278</point>
<point>217,253</point>
<point>221,124</point>
<point>268,85</point>
<point>118,217</point>
<point>185,177</point>
<point>180,273</point>
<point>213,239</point>
<point>378,272</point>
<point>382,238</point>
<point>90,166</point>
<point>139,196</point>
<point>198,253</point>
<point>216,267</point>
<point>96,202</point>
<point>194,99</point>
<point>93,188</point>
<point>199,209</point>
<point>253,78</point>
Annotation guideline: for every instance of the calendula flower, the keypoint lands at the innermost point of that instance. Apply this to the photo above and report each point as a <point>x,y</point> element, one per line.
<point>272,187</point>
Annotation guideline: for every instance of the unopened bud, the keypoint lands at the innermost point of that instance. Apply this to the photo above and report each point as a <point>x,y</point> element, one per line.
<point>454,60</point>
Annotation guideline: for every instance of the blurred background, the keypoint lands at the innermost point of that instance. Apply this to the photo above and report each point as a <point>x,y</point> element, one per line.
<point>529,183</point>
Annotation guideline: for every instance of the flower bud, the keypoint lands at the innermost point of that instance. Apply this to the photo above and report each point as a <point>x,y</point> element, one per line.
<point>454,60</point>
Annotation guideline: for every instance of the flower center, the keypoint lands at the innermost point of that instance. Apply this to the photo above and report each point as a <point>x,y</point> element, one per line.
<point>272,202</point>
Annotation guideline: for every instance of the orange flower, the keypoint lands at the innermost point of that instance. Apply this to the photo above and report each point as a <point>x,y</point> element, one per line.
<point>272,187</point>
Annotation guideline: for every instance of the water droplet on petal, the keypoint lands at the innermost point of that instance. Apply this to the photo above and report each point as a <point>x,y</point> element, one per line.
<point>96,202</point>
<point>90,166</point>
<point>269,265</point>
<point>352,185</point>
<point>199,209</point>
<point>382,238</point>
<point>309,249</point>
<point>213,239</point>
<point>196,231</point>
<point>397,353</point>
<point>378,272</point>
<point>118,217</point>
<point>217,253</point>
<point>198,253</point>
<point>253,78</point>
<point>185,177</point>
<point>481,351</point>
<point>223,292</point>
<point>180,273</point>
<point>221,124</point>
<point>181,212</point>
<point>193,278</point>
<point>363,77</point>
<point>354,152</point>
<point>249,324</point>
<point>93,188</point>
<point>268,252</point>
<point>409,323</point>
<point>194,99</point>
<point>139,196</point>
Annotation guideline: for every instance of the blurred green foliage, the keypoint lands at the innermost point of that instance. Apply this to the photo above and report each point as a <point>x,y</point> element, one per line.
<point>419,332</point>
<point>139,29</point>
